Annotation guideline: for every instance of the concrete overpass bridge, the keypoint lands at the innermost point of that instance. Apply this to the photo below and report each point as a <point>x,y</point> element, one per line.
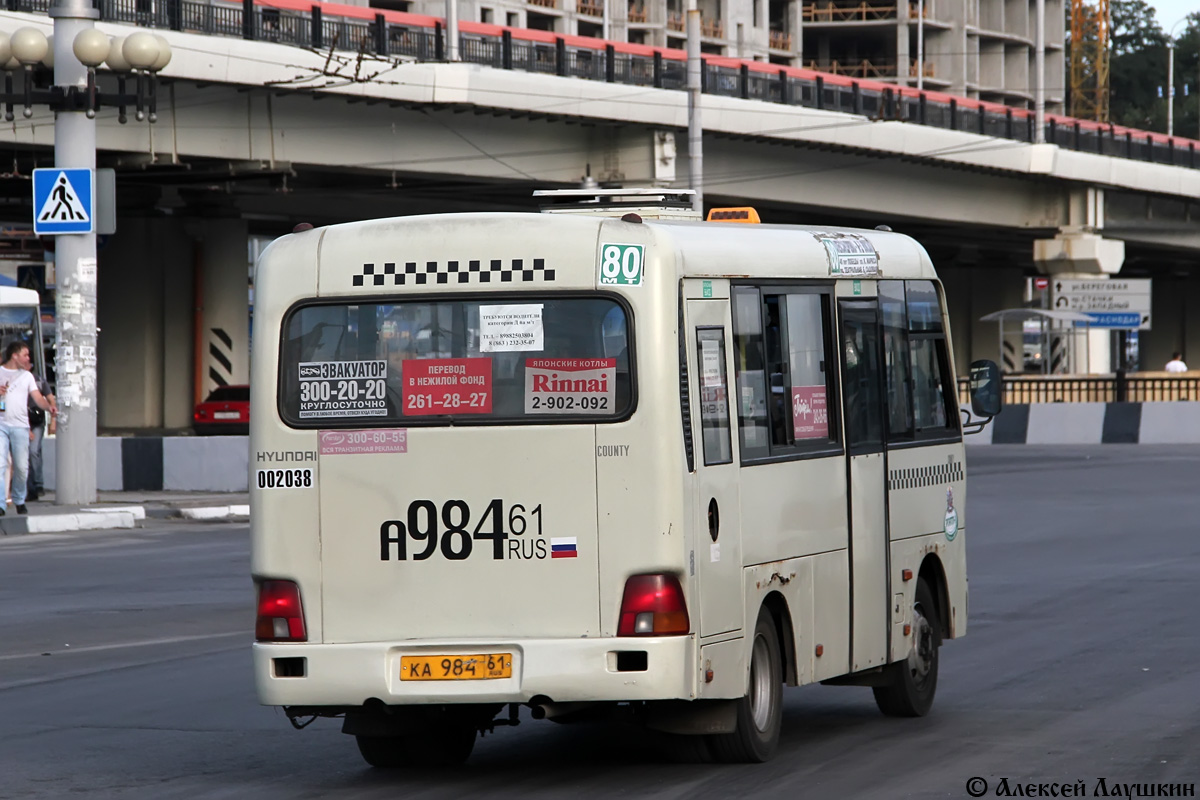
<point>254,136</point>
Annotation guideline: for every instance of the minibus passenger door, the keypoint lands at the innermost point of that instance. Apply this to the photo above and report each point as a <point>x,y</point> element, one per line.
<point>863,411</point>
<point>717,545</point>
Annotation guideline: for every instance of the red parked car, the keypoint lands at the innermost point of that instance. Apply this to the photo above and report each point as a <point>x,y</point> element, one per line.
<point>225,411</point>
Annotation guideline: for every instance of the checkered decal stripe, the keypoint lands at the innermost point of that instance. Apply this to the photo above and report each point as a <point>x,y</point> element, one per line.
<point>411,273</point>
<point>918,477</point>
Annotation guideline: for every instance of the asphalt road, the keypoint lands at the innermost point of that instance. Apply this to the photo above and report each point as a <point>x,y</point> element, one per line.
<point>125,668</point>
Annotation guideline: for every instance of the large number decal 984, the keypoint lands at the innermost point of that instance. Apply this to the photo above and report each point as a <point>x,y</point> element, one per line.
<point>449,530</point>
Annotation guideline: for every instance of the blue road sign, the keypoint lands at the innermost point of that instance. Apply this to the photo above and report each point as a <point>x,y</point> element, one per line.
<point>63,201</point>
<point>1113,319</point>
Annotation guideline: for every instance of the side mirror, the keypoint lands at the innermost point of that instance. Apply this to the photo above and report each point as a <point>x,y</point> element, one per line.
<point>987,389</point>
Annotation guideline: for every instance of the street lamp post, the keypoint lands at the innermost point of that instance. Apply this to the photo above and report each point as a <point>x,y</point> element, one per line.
<point>76,51</point>
<point>1171,78</point>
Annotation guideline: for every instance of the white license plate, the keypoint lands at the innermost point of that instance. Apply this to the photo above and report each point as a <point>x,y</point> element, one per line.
<point>226,415</point>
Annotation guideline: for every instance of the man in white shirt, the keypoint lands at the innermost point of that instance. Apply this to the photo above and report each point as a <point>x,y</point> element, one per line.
<point>17,388</point>
<point>1176,364</point>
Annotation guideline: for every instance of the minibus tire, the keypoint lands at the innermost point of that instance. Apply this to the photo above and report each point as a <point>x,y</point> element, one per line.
<point>383,752</point>
<point>751,741</point>
<point>443,747</point>
<point>913,681</point>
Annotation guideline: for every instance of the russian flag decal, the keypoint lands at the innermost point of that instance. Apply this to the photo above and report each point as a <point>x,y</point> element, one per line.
<point>563,548</point>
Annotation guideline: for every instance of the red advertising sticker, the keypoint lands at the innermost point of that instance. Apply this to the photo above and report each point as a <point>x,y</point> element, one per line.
<point>447,386</point>
<point>810,416</point>
<point>570,385</point>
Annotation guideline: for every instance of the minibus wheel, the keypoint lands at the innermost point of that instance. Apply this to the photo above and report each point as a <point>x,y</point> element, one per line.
<point>913,681</point>
<point>760,712</point>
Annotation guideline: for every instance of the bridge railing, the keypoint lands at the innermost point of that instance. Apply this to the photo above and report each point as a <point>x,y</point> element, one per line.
<point>394,34</point>
<point>1122,387</point>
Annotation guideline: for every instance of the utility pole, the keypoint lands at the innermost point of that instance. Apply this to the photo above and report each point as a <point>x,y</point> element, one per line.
<point>452,30</point>
<point>1171,86</point>
<point>75,262</point>
<point>695,130</point>
<point>1039,62</point>
<point>920,45</point>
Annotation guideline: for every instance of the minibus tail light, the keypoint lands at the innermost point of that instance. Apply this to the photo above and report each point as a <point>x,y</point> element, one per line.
<point>280,613</point>
<point>653,605</point>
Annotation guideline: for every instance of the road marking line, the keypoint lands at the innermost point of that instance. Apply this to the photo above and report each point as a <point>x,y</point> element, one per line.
<point>124,645</point>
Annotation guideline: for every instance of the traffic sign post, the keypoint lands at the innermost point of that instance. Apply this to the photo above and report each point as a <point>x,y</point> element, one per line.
<point>1115,304</point>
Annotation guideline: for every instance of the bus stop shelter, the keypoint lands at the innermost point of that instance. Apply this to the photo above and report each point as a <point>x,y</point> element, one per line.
<point>1059,334</point>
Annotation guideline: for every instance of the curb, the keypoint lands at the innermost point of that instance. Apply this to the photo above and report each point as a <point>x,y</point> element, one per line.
<point>90,519</point>
<point>214,512</point>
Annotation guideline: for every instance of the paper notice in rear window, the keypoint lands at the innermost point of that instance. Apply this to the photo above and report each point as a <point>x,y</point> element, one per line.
<point>343,389</point>
<point>447,386</point>
<point>505,329</point>
<point>570,385</point>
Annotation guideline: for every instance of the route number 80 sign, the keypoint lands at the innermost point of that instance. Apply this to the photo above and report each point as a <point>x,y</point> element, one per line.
<point>621,264</point>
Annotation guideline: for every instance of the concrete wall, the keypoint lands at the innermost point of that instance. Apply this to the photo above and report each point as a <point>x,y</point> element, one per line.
<point>1173,301</point>
<point>144,302</point>
<point>1094,423</point>
<point>972,292</point>
<point>154,463</point>
<point>223,254</point>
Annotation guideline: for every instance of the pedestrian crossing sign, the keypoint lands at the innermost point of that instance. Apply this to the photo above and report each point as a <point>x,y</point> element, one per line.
<point>63,201</point>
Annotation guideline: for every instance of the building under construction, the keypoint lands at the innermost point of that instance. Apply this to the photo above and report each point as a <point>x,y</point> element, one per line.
<point>980,49</point>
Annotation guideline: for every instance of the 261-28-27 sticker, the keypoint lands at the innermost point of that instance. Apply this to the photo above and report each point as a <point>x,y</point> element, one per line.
<point>570,385</point>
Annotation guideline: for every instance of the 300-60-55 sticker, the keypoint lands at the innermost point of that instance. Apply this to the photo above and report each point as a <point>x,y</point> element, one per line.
<point>514,531</point>
<point>299,478</point>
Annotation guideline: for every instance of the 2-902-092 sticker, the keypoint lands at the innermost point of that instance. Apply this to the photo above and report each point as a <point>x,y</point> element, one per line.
<point>570,385</point>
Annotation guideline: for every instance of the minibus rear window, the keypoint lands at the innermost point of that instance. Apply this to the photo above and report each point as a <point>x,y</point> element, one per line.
<point>499,359</point>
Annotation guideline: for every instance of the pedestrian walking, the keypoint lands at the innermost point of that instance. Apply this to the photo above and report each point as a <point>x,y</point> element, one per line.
<point>17,388</point>
<point>1176,364</point>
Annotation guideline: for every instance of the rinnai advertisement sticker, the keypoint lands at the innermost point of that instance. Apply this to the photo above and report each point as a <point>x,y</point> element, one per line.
<point>810,415</point>
<point>570,385</point>
<point>506,329</point>
<point>343,389</point>
<point>447,386</point>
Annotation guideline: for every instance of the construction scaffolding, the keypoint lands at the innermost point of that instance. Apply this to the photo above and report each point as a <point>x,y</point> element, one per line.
<point>1091,32</point>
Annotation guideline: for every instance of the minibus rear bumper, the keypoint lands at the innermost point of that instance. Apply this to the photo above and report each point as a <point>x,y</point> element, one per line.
<point>561,670</point>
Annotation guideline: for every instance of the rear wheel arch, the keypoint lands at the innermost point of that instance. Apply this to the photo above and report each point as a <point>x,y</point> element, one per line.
<point>934,574</point>
<point>777,606</point>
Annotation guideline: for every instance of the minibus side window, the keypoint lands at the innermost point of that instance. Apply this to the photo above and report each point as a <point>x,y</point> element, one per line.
<point>782,346</point>
<point>750,363</point>
<point>935,409</point>
<point>896,360</point>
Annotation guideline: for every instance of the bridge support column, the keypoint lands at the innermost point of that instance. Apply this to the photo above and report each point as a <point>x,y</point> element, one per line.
<point>144,290</point>
<point>1080,254</point>
<point>223,351</point>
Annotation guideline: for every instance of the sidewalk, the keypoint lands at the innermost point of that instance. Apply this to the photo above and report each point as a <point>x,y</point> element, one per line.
<point>123,510</point>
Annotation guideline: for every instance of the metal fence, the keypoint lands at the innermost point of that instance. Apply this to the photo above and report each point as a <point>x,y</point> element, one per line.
<point>1117,388</point>
<point>387,38</point>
